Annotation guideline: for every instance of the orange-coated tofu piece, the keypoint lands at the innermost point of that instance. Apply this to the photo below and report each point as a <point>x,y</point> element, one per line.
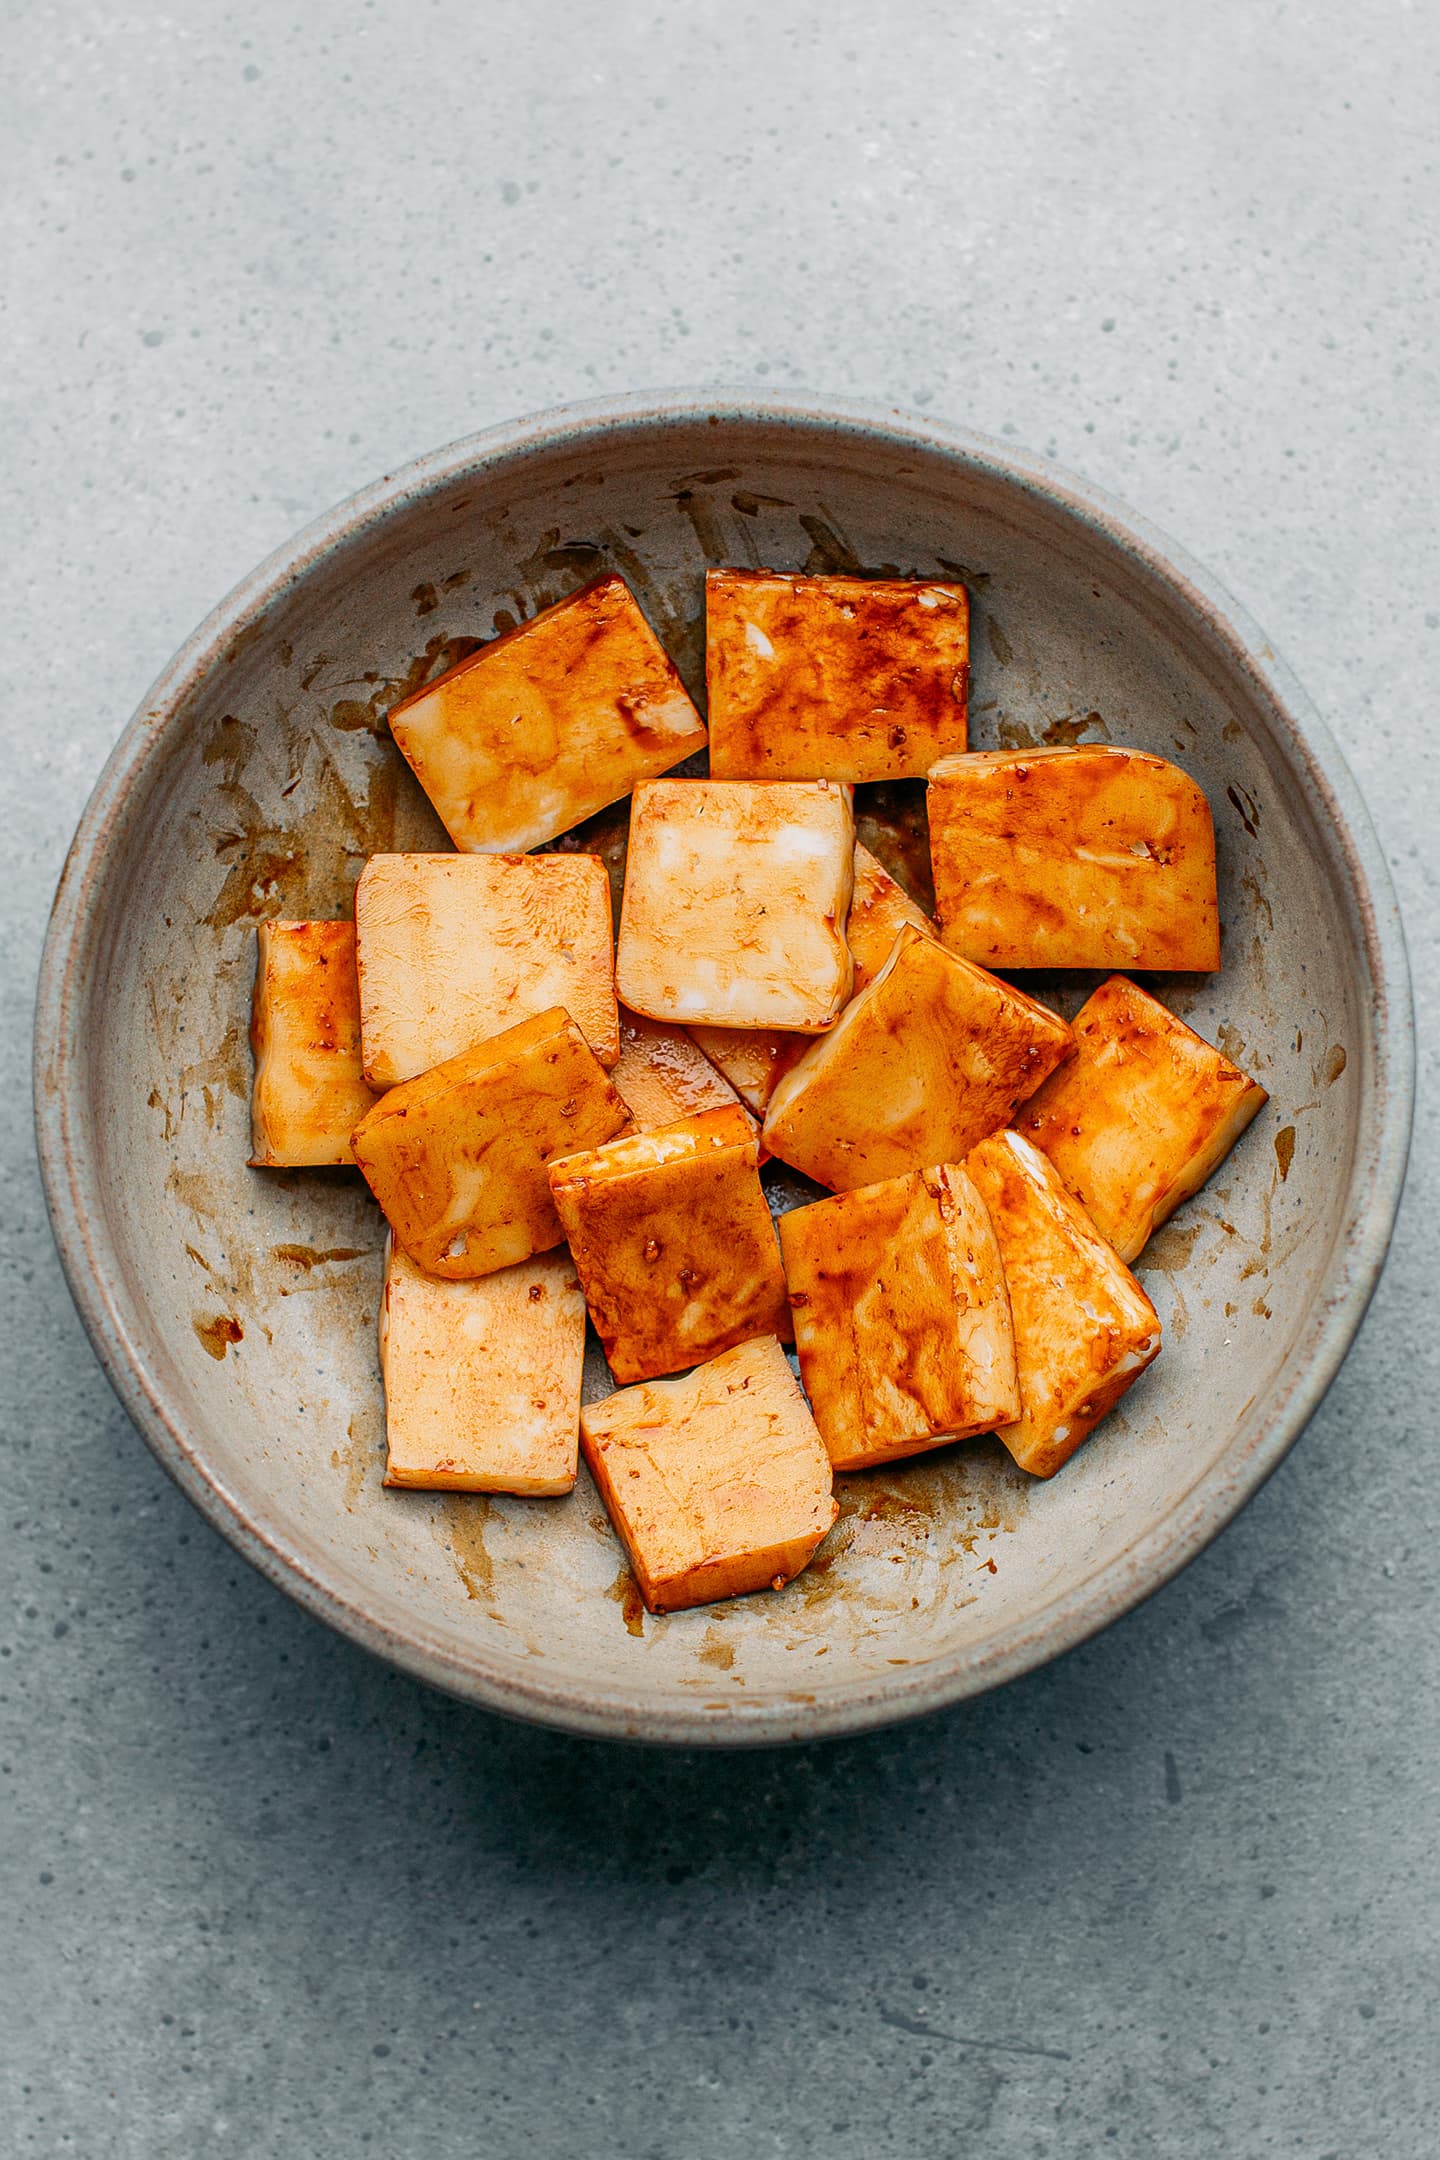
<point>833,678</point>
<point>457,1157</point>
<point>880,907</point>
<point>928,1060</point>
<point>673,1243</point>
<point>1084,1329</point>
<point>663,1073</point>
<point>548,723</point>
<point>482,1378</point>
<point>902,1317</point>
<point>753,1060</point>
<point>1140,1116</point>
<point>309,1090</point>
<point>736,894</point>
<point>450,949</point>
<point>1094,857</point>
<point>756,1060</point>
<point>718,1483</point>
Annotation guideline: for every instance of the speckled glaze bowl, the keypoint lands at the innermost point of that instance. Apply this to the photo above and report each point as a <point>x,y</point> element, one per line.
<point>234,1309</point>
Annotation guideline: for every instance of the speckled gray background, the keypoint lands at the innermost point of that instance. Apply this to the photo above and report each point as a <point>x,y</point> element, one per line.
<point>1172,1897</point>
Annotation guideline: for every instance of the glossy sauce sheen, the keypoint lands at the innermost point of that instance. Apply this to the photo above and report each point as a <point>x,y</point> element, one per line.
<point>752,1060</point>
<point>663,1073</point>
<point>880,907</point>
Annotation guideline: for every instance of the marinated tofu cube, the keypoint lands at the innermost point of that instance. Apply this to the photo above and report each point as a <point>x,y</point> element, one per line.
<point>457,1158</point>
<point>548,723</point>
<point>309,1091</point>
<point>673,1243</point>
<point>879,909</point>
<point>753,1060</point>
<point>736,894</point>
<point>453,948</point>
<point>482,1378</point>
<point>1084,1329</point>
<point>833,678</point>
<point>756,1060</point>
<point>1141,1115</point>
<point>663,1074</point>
<point>1087,858</point>
<point>718,1483</point>
<point>928,1060</point>
<point>902,1317</point>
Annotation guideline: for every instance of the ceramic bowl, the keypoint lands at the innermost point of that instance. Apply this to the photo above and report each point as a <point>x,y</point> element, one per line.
<point>234,1310</point>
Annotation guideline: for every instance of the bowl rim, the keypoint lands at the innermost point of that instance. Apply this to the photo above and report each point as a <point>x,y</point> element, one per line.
<point>70,1174</point>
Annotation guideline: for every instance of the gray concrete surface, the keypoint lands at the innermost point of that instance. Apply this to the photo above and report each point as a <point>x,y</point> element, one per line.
<point>1172,1897</point>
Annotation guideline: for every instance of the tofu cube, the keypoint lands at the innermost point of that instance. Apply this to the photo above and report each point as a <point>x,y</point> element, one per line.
<point>928,1060</point>
<point>1141,1115</point>
<point>452,948</point>
<point>673,1243</point>
<point>753,1060</point>
<point>457,1158</point>
<point>902,1317</point>
<point>756,1060</point>
<point>833,678</point>
<point>1087,858</point>
<point>482,1378</point>
<point>736,894</point>
<point>880,907</point>
<point>1084,1329</point>
<point>718,1483</point>
<point>548,723</point>
<point>663,1074</point>
<point>309,1091</point>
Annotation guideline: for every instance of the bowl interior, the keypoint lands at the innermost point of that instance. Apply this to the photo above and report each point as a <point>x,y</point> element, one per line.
<point>248,1299</point>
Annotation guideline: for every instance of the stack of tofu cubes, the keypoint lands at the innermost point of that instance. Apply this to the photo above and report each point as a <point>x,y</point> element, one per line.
<point>555,1126</point>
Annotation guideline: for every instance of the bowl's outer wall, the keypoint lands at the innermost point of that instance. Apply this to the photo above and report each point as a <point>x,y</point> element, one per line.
<point>258,777</point>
